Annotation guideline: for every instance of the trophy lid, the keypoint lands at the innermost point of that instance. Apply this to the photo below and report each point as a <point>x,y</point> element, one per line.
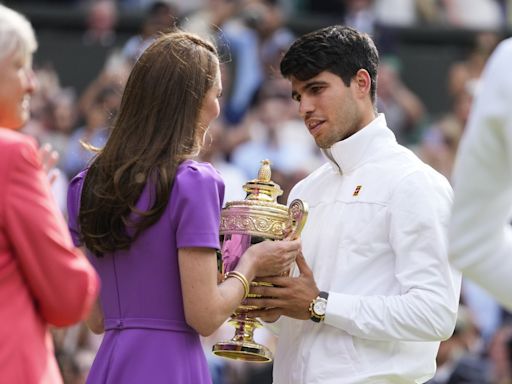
<point>263,188</point>
<point>259,214</point>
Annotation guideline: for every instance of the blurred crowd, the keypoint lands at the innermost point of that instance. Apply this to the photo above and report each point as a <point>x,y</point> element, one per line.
<point>260,121</point>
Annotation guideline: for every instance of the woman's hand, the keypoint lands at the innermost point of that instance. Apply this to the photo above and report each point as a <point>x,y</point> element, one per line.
<point>272,258</point>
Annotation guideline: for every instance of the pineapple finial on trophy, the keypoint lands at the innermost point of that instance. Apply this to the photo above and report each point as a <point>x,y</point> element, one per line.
<point>263,188</point>
<point>264,174</point>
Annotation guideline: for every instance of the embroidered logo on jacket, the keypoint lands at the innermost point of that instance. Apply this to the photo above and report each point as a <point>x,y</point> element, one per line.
<point>357,190</point>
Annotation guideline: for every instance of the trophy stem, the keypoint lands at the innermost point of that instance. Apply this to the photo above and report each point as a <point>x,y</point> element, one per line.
<point>242,346</point>
<point>244,328</point>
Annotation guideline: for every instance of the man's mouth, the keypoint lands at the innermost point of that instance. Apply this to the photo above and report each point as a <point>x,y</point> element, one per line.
<point>314,125</point>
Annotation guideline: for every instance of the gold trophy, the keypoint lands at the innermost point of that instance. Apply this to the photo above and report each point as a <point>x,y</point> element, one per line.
<point>243,223</point>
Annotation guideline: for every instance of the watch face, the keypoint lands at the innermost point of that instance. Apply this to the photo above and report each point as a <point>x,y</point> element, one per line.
<point>319,307</point>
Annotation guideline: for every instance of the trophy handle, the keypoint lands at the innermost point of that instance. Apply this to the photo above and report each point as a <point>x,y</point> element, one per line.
<point>298,212</point>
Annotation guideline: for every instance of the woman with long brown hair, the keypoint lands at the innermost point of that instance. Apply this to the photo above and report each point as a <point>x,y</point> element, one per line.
<point>149,217</point>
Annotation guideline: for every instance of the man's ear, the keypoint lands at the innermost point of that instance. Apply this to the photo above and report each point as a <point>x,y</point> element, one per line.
<point>363,82</point>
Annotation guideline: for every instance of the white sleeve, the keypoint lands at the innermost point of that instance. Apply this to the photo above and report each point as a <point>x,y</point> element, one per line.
<point>426,307</point>
<point>480,233</point>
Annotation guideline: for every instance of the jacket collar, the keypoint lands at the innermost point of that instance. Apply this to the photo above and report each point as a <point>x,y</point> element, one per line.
<point>346,155</point>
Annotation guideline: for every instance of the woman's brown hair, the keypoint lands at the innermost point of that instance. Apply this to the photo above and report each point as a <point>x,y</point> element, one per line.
<point>155,130</point>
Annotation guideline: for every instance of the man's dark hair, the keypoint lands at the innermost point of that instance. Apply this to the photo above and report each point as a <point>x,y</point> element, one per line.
<point>336,49</point>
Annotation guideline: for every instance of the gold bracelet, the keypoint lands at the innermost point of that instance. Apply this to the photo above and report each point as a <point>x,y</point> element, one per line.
<point>240,277</point>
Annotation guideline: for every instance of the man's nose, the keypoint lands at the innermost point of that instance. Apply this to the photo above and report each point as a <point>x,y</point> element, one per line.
<point>305,106</point>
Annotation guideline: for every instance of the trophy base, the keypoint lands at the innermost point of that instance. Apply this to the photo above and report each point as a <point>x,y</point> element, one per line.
<point>240,350</point>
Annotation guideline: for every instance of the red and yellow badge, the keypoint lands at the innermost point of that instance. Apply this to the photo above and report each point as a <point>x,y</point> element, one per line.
<point>357,190</point>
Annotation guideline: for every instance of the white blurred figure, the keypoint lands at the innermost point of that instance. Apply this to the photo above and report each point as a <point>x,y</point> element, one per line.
<point>480,232</point>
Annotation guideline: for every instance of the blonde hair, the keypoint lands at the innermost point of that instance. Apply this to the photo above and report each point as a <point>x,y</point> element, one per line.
<point>16,33</point>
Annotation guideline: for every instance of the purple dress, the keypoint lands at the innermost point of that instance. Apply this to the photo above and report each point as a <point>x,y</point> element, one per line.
<point>146,337</point>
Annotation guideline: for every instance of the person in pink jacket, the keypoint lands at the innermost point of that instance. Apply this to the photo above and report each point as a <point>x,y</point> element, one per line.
<point>44,279</point>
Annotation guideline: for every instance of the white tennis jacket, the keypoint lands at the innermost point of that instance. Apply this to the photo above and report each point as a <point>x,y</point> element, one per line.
<point>376,240</point>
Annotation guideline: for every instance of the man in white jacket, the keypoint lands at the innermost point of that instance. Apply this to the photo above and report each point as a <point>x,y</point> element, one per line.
<point>374,294</point>
<point>480,232</point>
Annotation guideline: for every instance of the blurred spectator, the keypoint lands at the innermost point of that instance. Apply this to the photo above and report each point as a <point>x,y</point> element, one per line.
<point>113,76</point>
<point>184,6</point>
<point>500,354</point>
<point>161,16</point>
<point>440,141</point>
<point>94,132</point>
<point>403,109</point>
<point>396,13</point>
<point>63,119</point>
<point>276,136</point>
<point>428,12</point>
<point>101,21</point>
<point>360,14</point>
<point>208,21</point>
<point>40,111</point>
<point>256,53</point>
<point>267,19</point>
<point>255,36</point>
<point>213,152</point>
<point>475,14</point>
<point>53,116</point>
<point>487,313</point>
<point>470,68</point>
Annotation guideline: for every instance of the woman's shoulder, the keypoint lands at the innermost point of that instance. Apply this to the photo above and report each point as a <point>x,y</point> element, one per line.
<point>197,172</point>
<point>194,178</point>
<point>197,181</point>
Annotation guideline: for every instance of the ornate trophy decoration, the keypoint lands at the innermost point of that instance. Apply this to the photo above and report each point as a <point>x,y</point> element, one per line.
<point>243,223</point>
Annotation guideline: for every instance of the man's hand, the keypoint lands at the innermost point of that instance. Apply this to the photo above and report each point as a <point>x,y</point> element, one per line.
<point>290,296</point>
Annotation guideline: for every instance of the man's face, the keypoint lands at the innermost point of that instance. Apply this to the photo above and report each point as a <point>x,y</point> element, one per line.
<point>17,83</point>
<point>328,107</point>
